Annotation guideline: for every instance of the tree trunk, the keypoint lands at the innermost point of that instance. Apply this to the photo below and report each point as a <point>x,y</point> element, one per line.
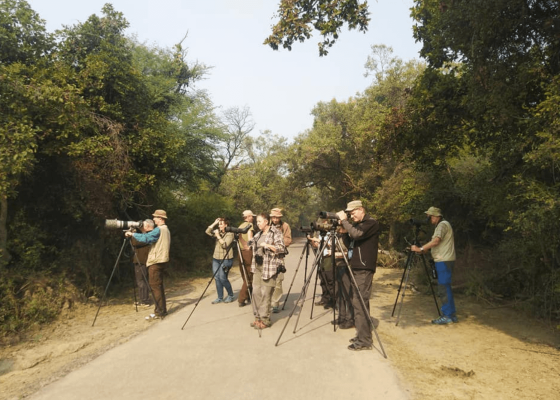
<point>4,256</point>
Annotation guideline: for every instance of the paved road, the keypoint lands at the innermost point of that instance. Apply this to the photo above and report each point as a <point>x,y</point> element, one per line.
<point>219,356</point>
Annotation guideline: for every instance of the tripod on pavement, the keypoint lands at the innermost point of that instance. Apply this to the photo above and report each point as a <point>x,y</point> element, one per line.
<point>406,275</point>
<point>305,252</point>
<point>236,232</point>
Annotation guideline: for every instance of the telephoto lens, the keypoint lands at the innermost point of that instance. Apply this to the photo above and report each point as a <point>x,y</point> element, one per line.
<point>116,224</point>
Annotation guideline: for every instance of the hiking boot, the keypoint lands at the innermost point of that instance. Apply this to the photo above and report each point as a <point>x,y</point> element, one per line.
<point>357,347</point>
<point>241,304</point>
<point>443,320</point>
<point>454,319</point>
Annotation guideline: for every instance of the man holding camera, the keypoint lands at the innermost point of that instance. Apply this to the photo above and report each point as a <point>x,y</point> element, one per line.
<point>276,219</point>
<point>158,257</point>
<point>442,246</point>
<point>362,240</point>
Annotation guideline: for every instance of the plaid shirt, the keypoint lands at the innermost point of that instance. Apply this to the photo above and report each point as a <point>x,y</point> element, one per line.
<point>271,261</point>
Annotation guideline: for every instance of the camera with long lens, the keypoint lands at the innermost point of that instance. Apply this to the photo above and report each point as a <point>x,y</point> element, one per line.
<point>124,225</point>
<point>238,230</point>
<point>323,226</point>
<point>419,221</point>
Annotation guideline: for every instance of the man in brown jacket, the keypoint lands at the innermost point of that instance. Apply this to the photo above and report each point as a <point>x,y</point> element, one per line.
<point>276,219</point>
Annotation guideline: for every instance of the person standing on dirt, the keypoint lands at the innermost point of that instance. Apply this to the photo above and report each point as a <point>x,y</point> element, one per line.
<point>276,219</point>
<point>442,247</point>
<point>158,257</point>
<point>361,240</point>
<point>141,251</point>
<point>247,255</point>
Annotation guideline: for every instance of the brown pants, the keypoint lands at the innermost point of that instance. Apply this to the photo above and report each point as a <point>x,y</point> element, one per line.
<point>155,272</point>
<point>248,282</point>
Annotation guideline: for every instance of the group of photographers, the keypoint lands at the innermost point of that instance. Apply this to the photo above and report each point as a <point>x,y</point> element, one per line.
<point>263,248</point>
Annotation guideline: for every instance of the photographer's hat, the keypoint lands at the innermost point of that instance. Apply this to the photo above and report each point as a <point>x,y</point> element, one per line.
<point>160,213</point>
<point>276,212</point>
<point>436,212</point>
<point>353,205</point>
<point>248,212</point>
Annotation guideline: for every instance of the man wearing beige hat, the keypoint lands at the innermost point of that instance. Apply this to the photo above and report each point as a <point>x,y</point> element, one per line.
<point>247,254</point>
<point>361,239</point>
<point>442,247</point>
<point>158,257</point>
<point>276,220</point>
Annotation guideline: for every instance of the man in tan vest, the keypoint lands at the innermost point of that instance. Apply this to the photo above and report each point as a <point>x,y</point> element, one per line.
<point>158,257</point>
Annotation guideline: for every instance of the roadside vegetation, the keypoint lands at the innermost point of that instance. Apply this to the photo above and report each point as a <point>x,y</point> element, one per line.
<point>95,125</point>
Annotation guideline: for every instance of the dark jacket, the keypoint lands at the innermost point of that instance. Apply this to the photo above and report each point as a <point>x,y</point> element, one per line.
<point>366,238</point>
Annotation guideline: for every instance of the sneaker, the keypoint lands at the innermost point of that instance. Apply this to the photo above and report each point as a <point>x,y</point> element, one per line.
<point>357,347</point>
<point>354,339</point>
<point>261,325</point>
<point>454,319</point>
<point>275,310</point>
<point>217,301</point>
<point>228,299</point>
<point>152,316</point>
<point>443,320</point>
<point>241,304</point>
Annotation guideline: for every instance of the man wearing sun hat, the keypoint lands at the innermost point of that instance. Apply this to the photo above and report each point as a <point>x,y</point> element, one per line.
<point>158,257</point>
<point>361,240</point>
<point>442,247</point>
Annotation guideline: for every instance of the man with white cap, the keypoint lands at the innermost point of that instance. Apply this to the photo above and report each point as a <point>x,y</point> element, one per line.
<point>442,247</point>
<point>361,239</point>
<point>247,254</point>
<point>158,257</point>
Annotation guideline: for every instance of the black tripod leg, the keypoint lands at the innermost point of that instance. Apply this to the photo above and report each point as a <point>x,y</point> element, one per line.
<point>408,261</point>
<point>109,282</point>
<point>301,299</point>
<point>304,251</point>
<point>209,282</point>
<point>202,295</point>
<point>430,283</point>
<point>407,276</point>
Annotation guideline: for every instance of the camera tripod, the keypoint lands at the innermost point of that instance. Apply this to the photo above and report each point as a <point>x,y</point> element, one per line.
<point>305,252</point>
<point>406,275</point>
<point>243,272</point>
<point>125,241</point>
<point>335,244</point>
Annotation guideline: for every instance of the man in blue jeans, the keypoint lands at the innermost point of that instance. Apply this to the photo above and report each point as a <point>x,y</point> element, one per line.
<point>442,246</point>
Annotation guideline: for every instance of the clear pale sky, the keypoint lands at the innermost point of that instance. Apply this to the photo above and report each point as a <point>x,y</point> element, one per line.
<point>280,87</point>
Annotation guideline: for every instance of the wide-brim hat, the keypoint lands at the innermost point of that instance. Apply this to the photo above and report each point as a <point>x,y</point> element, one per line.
<point>276,212</point>
<point>436,212</point>
<point>248,212</point>
<point>353,205</point>
<point>160,213</point>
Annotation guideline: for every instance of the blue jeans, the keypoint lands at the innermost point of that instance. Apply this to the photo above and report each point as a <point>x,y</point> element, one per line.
<point>445,272</point>
<point>222,276</point>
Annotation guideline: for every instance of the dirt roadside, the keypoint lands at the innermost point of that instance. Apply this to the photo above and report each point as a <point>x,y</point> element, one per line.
<point>492,353</point>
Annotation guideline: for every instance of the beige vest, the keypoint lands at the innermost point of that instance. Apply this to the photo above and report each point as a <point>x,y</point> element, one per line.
<point>445,250</point>
<point>159,253</point>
